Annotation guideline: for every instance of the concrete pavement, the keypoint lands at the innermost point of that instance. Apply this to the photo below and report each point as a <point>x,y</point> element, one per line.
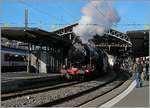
<point>139,97</point>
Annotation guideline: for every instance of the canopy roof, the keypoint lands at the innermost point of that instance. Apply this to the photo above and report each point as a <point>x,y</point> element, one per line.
<point>34,36</point>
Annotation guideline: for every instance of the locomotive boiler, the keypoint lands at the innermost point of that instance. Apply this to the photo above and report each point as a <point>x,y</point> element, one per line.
<point>85,60</point>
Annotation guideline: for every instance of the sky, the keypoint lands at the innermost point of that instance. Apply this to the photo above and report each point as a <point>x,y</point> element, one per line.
<point>50,15</point>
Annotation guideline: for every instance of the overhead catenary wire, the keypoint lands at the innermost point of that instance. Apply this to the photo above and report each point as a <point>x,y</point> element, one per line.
<point>39,10</point>
<point>58,4</point>
<point>99,12</point>
<point>96,8</point>
<point>70,14</point>
<point>47,13</point>
<point>127,24</point>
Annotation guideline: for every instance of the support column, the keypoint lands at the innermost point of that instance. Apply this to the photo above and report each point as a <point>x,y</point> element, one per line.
<point>29,58</point>
<point>53,59</point>
<point>109,47</point>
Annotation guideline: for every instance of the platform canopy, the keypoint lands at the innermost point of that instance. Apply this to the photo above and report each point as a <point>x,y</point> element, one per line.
<point>113,41</point>
<point>34,36</point>
<point>140,42</point>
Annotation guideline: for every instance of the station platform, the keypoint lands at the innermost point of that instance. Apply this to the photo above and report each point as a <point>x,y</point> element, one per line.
<point>131,97</point>
<point>138,97</point>
<point>125,96</point>
<point>11,81</point>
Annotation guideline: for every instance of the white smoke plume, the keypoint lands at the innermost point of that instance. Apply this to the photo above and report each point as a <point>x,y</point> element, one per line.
<point>99,16</point>
<point>111,59</point>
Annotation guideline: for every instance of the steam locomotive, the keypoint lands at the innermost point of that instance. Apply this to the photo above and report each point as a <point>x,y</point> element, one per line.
<point>84,61</point>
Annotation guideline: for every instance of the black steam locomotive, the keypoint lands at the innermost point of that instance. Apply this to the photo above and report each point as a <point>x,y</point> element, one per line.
<point>85,60</point>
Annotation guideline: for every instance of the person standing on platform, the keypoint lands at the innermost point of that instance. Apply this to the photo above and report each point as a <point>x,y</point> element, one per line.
<point>138,71</point>
<point>133,67</point>
<point>143,74</point>
<point>63,71</point>
<point>147,69</point>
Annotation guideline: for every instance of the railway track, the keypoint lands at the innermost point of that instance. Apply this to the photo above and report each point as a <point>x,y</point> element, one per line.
<point>57,85</point>
<point>21,85</point>
<point>61,94</point>
<point>83,97</point>
<point>87,96</point>
<point>46,87</point>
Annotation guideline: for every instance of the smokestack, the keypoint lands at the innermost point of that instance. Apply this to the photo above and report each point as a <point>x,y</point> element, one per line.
<point>99,16</point>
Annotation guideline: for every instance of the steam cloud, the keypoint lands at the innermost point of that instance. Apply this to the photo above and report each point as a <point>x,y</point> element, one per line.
<point>111,59</point>
<point>99,16</point>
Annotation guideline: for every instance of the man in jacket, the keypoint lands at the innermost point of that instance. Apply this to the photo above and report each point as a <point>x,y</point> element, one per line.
<point>138,71</point>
